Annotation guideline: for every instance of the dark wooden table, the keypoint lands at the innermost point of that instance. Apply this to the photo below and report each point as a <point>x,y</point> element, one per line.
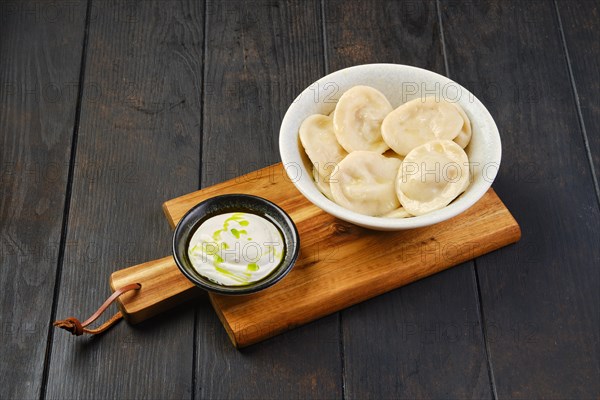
<point>109,108</point>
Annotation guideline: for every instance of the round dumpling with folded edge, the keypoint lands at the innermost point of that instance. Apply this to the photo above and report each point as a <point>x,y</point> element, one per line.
<point>397,213</point>
<point>358,117</point>
<point>464,136</point>
<point>321,146</point>
<point>431,176</point>
<point>322,183</point>
<point>364,183</point>
<point>418,121</point>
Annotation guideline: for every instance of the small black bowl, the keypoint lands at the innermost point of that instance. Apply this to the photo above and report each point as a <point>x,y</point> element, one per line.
<point>235,203</point>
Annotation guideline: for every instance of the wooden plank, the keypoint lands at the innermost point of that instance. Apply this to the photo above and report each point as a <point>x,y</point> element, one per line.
<point>581,24</point>
<point>388,347</point>
<point>539,297</point>
<point>260,55</point>
<point>39,75</point>
<point>139,143</point>
<point>361,263</point>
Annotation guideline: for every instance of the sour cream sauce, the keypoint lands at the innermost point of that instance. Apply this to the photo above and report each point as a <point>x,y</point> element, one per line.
<point>235,249</point>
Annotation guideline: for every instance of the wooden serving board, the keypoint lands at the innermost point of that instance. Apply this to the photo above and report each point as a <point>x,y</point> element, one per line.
<point>340,264</point>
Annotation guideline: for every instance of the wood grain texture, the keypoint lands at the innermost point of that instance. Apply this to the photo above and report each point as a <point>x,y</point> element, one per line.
<point>260,55</point>
<point>539,297</point>
<point>380,359</point>
<point>40,57</point>
<point>163,288</point>
<point>581,24</point>
<point>357,264</point>
<point>138,144</point>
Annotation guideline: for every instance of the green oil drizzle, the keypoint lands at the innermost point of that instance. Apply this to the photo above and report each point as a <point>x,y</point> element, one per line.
<point>242,278</point>
<point>217,235</point>
<point>237,233</point>
<point>230,274</point>
<point>237,217</point>
<point>218,260</point>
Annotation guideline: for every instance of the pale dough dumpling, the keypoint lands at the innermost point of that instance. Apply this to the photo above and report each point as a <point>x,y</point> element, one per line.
<point>320,144</point>
<point>431,176</point>
<point>419,121</point>
<point>322,183</point>
<point>358,117</point>
<point>464,136</point>
<point>397,213</point>
<point>364,183</point>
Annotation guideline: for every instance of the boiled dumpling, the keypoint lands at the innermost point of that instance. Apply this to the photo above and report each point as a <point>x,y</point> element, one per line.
<point>464,136</point>
<point>364,183</point>
<point>320,144</point>
<point>358,117</point>
<point>397,213</point>
<point>322,183</point>
<point>431,176</point>
<point>419,121</point>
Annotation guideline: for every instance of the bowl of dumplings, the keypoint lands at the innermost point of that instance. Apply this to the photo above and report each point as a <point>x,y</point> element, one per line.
<point>389,147</point>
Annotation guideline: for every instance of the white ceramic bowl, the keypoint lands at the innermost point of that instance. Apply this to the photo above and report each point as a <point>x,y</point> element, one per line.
<point>399,83</point>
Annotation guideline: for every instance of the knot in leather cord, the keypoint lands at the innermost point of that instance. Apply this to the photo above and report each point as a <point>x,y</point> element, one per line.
<point>70,324</point>
<point>77,328</point>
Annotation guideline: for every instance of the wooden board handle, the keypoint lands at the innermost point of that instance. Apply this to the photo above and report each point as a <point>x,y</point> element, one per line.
<point>163,287</point>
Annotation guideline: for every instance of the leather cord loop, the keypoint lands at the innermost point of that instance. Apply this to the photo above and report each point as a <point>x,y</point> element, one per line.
<point>77,328</point>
